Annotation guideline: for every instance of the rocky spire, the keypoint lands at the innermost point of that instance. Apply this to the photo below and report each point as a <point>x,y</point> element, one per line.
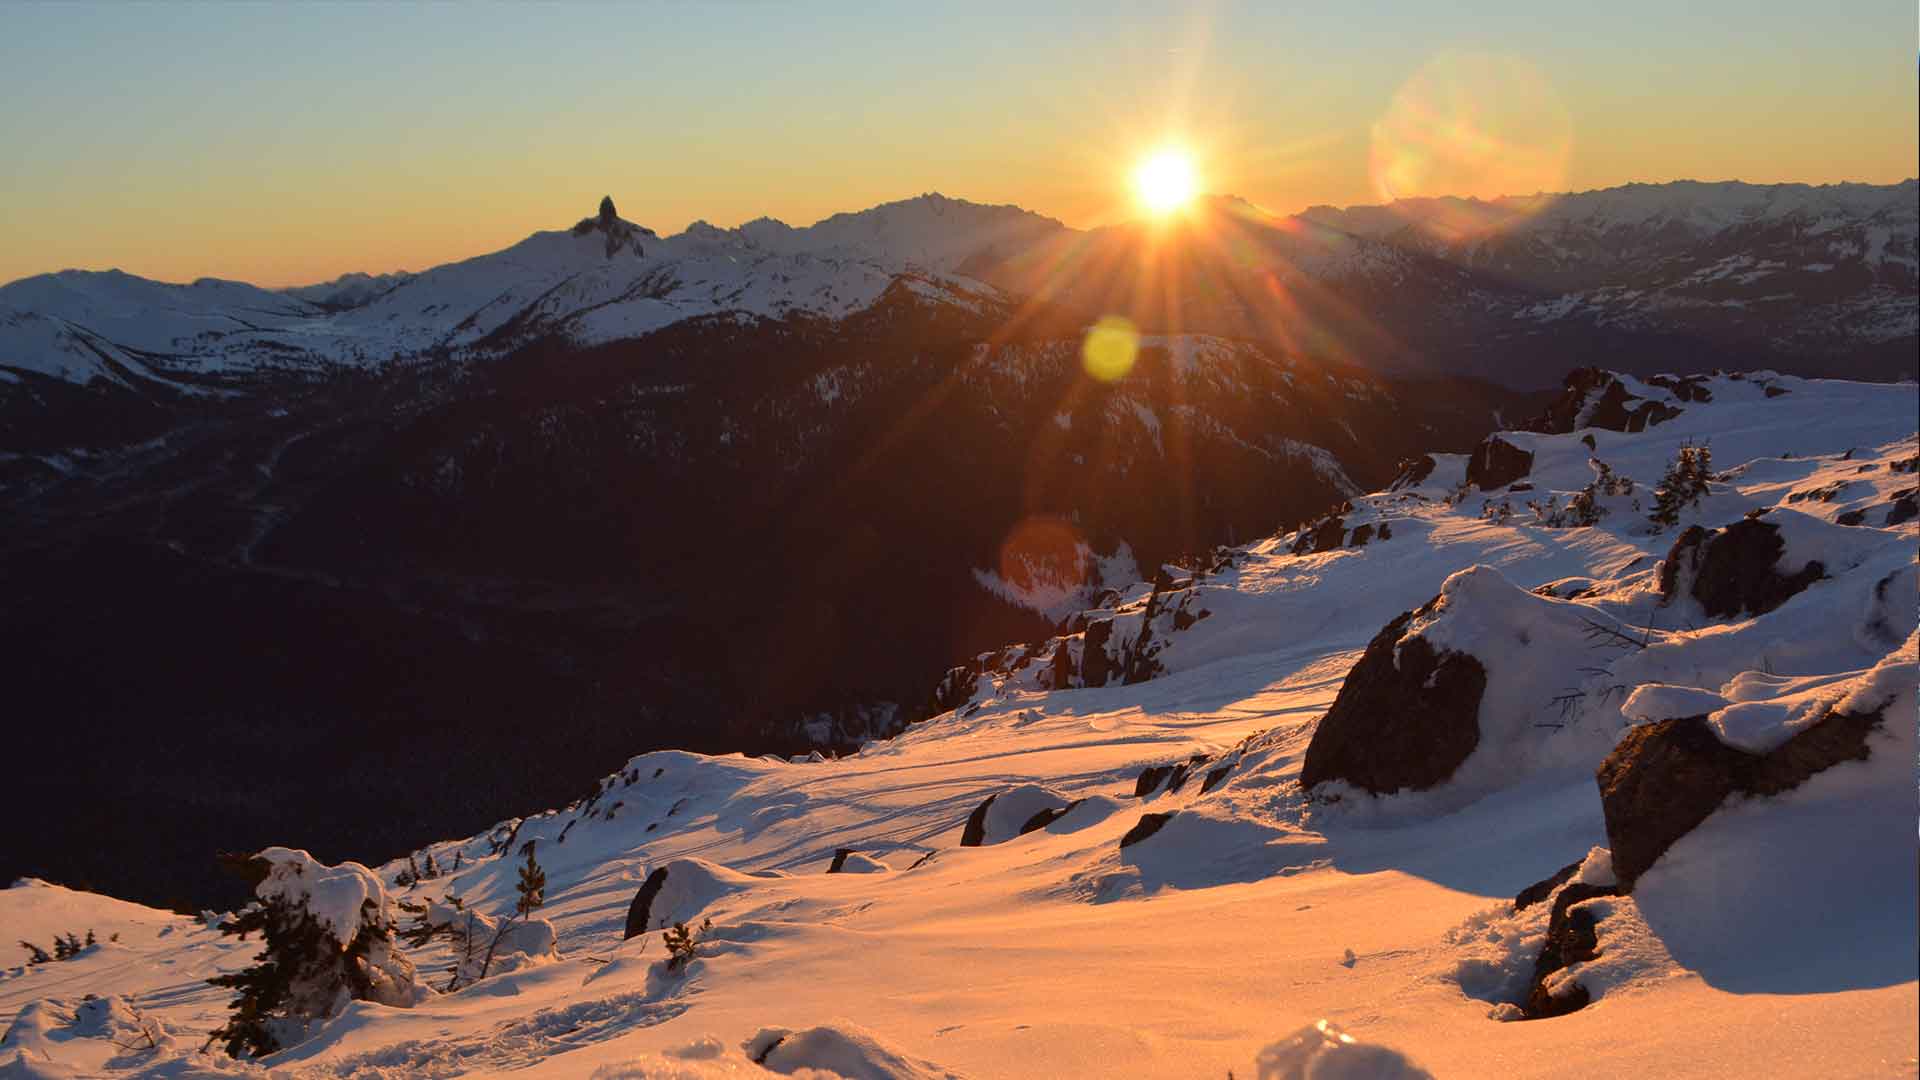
<point>607,214</point>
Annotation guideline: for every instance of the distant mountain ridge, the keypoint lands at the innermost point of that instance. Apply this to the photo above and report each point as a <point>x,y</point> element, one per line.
<point>1788,275</point>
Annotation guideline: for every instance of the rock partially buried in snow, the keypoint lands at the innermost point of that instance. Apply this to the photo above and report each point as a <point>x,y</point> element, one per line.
<point>1496,463</point>
<point>1007,814</point>
<point>680,890</point>
<point>1145,827</point>
<point>1733,570</point>
<point>838,1050</point>
<point>1322,1051</point>
<point>1463,697</point>
<point>1665,778</point>
<point>849,861</point>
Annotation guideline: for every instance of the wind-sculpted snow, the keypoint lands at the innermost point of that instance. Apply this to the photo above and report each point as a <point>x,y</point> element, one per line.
<point>1154,893</point>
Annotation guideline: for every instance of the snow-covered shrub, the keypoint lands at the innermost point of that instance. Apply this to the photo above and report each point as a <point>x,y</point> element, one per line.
<point>329,934</point>
<point>683,944</point>
<point>1685,482</point>
<point>480,944</point>
<point>65,947</point>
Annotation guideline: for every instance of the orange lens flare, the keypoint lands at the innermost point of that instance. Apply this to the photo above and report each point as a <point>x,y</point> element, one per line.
<point>1044,555</point>
<point>1473,124</point>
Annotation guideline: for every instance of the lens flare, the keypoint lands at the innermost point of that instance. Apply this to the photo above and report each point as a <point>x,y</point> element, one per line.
<point>1109,350</point>
<point>1165,181</point>
<point>1044,560</point>
<point>1473,124</point>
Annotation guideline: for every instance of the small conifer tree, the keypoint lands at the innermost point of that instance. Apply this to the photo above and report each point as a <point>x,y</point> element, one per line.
<point>1683,485</point>
<point>531,889</point>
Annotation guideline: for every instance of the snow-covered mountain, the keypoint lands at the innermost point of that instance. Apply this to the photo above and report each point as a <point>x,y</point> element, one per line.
<point>605,279</point>
<point>1820,280</point>
<point>1580,728</point>
<point>1779,265</point>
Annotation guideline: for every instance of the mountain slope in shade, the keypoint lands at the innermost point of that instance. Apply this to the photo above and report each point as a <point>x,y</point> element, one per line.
<point>1173,903</point>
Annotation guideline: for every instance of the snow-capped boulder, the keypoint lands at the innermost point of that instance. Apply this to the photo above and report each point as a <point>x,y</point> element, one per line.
<point>849,861</point>
<point>1469,691</point>
<point>1321,1049</point>
<point>1014,812</point>
<point>1734,570</point>
<point>1666,777</point>
<point>679,891</point>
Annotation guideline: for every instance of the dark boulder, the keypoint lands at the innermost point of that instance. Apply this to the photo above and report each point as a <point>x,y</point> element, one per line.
<point>1665,778</point>
<point>1413,472</point>
<point>1150,780</point>
<point>839,860</point>
<point>1852,517</point>
<point>1903,509</point>
<point>1572,937</point>
<point>1732,571</point>
<point>642,907</point>
<point>1145,827</point>
<point>1496,463</point>
<point>1405,726</point>
<point>1326,534</point>
<point>1360,536</point>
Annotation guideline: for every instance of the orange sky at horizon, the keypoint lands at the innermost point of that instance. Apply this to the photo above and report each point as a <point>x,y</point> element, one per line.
<point>407,137</point>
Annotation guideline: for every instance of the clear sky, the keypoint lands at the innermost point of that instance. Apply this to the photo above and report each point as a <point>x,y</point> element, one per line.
<point>290,143</point>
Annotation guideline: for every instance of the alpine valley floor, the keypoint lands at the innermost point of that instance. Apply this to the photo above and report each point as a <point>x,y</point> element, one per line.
<point>1776,938</point>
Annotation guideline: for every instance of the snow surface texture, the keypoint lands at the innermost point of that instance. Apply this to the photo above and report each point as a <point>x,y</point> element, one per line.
<point>1251,910</point>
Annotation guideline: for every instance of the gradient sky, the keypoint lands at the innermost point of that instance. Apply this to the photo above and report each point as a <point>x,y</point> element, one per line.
<point>288,144</point>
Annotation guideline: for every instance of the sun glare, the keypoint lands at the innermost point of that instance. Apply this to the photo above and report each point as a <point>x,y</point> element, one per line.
<point>1165,181</point>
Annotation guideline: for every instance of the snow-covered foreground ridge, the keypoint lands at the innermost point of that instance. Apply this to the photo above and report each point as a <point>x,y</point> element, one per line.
<point>1666,772</point>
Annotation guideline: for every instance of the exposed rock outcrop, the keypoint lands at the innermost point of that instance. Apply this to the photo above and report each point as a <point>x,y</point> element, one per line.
<point>1145,827</point>
<point>1733,570</point>
<point>1593,397</point>
<point>1665,778</point>
<point>1496,463</point>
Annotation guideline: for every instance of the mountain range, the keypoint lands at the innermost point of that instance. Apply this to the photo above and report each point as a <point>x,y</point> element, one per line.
<point>1791,276</point>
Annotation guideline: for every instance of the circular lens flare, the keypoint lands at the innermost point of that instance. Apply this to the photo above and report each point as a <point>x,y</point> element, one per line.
<point>1479,125</point>
<point>1165,181</point>
<point>1108,352</point>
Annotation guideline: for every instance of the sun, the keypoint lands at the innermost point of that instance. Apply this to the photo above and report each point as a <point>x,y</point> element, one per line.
<point>1164,180</point>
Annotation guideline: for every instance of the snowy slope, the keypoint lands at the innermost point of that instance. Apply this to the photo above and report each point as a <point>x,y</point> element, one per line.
<point>1775,939</point>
